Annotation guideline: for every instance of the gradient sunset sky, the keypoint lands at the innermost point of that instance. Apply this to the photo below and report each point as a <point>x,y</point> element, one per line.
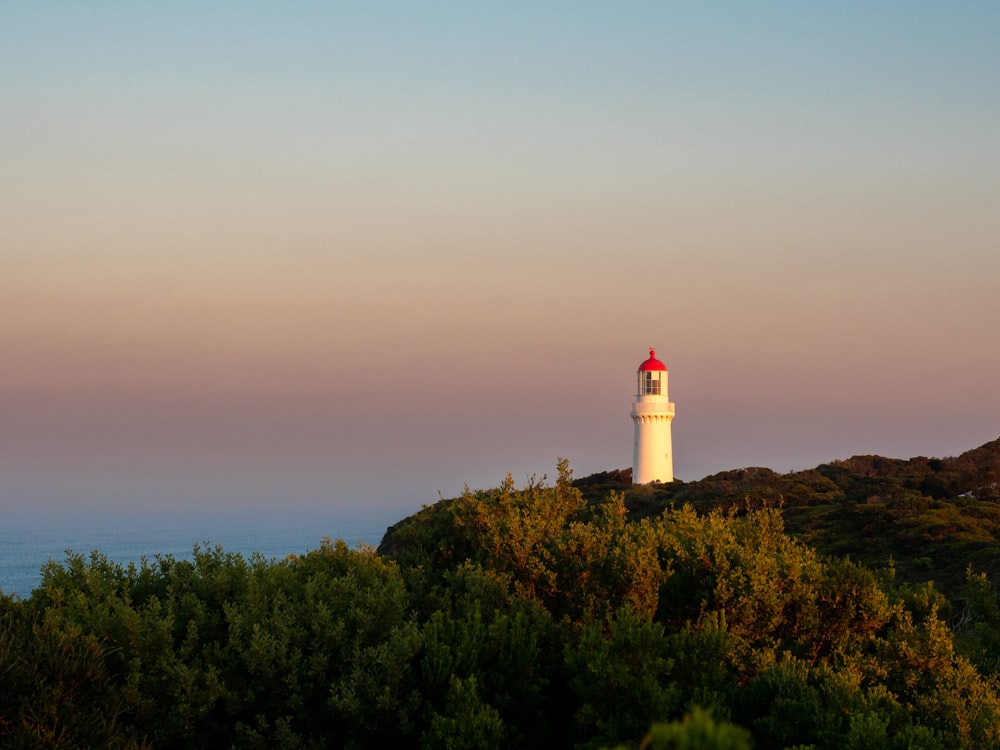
<point>354,254</point>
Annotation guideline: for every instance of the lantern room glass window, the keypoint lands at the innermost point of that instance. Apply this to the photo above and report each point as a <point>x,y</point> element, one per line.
<point>649,383</point>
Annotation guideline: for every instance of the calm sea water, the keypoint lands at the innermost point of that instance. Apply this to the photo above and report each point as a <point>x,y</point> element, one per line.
<point>27,544</point>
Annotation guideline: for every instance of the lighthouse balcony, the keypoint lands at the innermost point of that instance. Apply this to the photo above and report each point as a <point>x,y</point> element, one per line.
<point>642,408</point>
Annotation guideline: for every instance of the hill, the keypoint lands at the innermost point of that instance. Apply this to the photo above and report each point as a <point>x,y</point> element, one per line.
<point>930,517</point>
<point>762,584</point>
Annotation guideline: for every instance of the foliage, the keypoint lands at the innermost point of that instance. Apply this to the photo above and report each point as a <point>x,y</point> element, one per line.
<point>219,649</point>
<point>697,731</point>
<point>977,627</point>
<point>54,686</point>
<point>929,517</point>
<point>620,672</point>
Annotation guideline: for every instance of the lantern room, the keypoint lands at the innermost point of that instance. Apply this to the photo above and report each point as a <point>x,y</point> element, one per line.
<point>652,377</point>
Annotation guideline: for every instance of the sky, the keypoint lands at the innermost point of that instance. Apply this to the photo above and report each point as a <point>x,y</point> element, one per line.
<point>361,255</point>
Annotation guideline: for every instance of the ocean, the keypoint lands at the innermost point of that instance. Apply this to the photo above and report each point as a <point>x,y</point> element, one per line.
<point>26,544</point>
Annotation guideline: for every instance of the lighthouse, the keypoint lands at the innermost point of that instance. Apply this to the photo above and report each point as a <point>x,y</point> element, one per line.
<point>652,413</point>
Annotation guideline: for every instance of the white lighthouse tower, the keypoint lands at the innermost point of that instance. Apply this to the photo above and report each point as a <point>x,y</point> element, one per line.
<point>652,412</point>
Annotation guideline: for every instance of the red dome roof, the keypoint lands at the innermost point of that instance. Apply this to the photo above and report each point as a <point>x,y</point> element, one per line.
<point>652,363</point>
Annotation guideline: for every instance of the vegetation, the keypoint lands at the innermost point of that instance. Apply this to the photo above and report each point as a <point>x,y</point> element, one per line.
<point>930,518</point>
<point>749,610</point>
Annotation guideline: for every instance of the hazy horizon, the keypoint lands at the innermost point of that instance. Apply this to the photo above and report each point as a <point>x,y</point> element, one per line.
<point>354,255</point>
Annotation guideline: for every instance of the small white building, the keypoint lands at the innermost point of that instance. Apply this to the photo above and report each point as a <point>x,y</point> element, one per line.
<point>652,413</point>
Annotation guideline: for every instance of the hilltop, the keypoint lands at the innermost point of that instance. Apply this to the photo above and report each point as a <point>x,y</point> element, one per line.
<point>930,517</point>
